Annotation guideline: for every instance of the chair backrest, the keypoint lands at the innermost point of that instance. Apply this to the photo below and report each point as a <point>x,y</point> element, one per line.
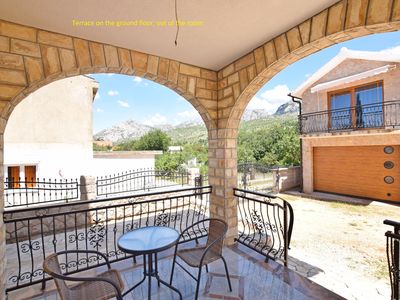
<point>51,266</point>
<point>217,229</point>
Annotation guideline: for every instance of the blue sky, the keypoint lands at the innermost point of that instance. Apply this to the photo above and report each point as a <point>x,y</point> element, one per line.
<point>122,97</point>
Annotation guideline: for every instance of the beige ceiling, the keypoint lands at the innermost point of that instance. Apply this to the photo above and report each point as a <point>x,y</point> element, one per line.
<point>230,29</point>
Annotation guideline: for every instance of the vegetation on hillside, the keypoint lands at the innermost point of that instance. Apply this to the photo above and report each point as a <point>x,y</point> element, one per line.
<point>273,141</point>
<point>192,134</point>
<point>97,147</point>
<point>153,140</point>
<point>176,160</point>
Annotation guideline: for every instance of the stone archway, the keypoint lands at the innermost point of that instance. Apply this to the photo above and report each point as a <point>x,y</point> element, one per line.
<point>239,81</point>
<point>345,20</point>
<point>31,58</point>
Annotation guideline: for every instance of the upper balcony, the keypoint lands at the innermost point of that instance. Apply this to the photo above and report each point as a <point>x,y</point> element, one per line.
<point>380,115</point>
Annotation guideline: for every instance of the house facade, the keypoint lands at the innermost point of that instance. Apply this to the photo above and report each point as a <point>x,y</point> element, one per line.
<point>350,126</point>
<point>50,136</point>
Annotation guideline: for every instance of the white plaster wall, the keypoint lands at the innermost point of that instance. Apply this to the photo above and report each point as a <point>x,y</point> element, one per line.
<point>52,128</point>
<point>108,166</point>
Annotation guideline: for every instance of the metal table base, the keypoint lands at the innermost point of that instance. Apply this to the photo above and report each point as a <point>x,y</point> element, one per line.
<point>149,271</point>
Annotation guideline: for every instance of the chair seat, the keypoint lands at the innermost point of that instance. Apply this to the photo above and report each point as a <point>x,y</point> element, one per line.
<point>98,290</point>
<point>192,256</point>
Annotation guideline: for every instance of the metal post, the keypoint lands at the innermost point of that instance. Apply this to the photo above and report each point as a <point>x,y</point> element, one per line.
<point>396,263</point>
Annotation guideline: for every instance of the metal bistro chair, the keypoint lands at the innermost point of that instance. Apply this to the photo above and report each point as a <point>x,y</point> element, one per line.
<point>104,286</point>
<point>201,256</point>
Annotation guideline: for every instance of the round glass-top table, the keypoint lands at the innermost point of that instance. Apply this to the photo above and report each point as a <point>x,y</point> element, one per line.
<point>148,241</point>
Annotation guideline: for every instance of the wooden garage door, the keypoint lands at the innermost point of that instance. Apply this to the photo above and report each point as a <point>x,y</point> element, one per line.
<point>358,171</point>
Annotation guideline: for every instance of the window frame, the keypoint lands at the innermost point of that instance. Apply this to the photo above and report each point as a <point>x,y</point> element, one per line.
<point>22,182</point>
<point>352,91</point>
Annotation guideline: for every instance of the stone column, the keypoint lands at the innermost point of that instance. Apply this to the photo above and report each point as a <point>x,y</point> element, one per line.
<point>222,172</point>
<point>192,174</point>
<point>88,187</point>
<point>3,257</point>
<point>308,176</point>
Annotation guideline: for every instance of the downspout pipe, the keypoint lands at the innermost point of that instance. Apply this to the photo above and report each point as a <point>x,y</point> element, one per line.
<point>297,100</point>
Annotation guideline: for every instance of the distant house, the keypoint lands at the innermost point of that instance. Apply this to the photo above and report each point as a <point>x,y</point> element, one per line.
<point>350,126</point>
<point>49,135</point>
<point>175,149</point>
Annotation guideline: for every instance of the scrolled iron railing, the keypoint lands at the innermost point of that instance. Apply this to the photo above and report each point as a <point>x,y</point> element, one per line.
<point>24,192</point>
<point>265,223</point>
<point>34,233</point>
<point>139,180</point>
<point>368,116</point>
<point>393,257</point>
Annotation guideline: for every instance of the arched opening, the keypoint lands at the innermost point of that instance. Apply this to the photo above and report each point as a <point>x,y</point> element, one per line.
<point>345,132</point>
<point>129,114</point>
<point>49,138</point>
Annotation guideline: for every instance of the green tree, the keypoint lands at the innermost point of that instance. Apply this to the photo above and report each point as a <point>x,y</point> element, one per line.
<point>245,154</point>
<point>273,141</point>
<point>153,140</point>
<point>169,161</point>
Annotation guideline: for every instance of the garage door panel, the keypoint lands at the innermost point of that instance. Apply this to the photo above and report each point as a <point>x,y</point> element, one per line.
<point>357,171</point>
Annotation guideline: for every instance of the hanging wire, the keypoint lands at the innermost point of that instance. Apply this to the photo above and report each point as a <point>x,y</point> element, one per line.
<point>177,24</point>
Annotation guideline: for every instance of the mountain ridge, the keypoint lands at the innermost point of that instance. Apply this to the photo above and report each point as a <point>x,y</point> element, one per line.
<point>192,129</point>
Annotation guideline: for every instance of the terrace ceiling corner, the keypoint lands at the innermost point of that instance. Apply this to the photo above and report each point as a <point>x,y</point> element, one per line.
<point>209,43</point>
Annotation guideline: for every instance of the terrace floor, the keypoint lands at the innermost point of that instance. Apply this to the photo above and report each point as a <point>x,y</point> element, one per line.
<point>252,278</point>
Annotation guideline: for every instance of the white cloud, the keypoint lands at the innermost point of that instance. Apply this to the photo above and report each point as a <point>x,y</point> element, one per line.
<point>180,98</point>
<point>137,79</point>
<point>99,110</point>
<point>156,119</point>
<point>97,97</point>
<point>110,74</point>
<point>113,93</point>
<point>271,99</point>
<point>123,103</point>
<point>188,114</point>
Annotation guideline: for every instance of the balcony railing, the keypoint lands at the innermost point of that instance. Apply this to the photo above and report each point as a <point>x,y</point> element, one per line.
<point>265,223</point>
<point>34,233</point>
<point>393,257</point>
<point>376,115</point>
<point>24,192</point>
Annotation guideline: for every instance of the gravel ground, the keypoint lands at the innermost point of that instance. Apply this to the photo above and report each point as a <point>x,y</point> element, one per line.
<point>342,246</point>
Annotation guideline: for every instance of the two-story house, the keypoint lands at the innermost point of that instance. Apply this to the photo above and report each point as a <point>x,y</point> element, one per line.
<point>350,126</point>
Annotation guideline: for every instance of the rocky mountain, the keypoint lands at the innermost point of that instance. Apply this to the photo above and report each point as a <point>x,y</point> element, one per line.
<point>254,114</point>
<point>193,129</point>
<point>124,131</point>
<point>287,108</point>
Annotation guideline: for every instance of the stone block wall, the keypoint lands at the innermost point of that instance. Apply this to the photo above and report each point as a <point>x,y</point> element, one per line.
<point>286,178</point>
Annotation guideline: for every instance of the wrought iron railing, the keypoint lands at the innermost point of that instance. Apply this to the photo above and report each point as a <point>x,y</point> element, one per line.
<point>393,257</point>
<point>139,180</point>
<point>34,233</point>
<point>24,192</point>
<point>375,115</point>
<point>265,223</point>
<point>201,180</point>
<point>255,177</point>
